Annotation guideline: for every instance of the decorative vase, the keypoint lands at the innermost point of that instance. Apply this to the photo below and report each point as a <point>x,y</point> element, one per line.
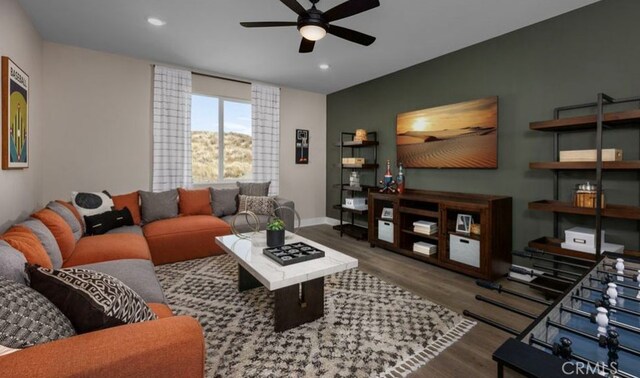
<point>275,238</point>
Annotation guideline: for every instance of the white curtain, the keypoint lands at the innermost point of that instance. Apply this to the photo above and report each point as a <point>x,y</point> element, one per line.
<point>265,125</point>
<point>171,129</point>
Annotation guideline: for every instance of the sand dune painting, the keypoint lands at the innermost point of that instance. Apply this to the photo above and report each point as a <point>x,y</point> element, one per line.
<point>463,135</point>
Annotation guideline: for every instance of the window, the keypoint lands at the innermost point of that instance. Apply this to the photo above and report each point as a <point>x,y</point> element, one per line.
<point>214,116</point>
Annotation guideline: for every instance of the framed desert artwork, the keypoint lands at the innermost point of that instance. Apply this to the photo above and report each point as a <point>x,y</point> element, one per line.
<point>462,135</point>
<point>15,116</point>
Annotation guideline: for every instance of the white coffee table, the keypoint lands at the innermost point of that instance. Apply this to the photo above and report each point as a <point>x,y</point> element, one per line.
<point>298,288</point>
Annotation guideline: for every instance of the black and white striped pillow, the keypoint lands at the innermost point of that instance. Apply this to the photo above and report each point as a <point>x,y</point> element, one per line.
<point>91,300</point>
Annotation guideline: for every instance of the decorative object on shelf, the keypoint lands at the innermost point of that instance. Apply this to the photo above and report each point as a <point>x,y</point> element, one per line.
<point>275,232</point>
<point>387,213</point>
<point>302,146</point>
<point>353,161</point>
<point>400,178</point>
<point>15,116</point>
<point>361,136</point>
<point>357,203</point>
<point>425,227</point>
<point>425,248</point>
<point>385,231</point>
<point>354,179</point>
<point>388,183</point>
<point>584,240</point>
<point>610,154</point>
<point>463,223</point>
<point>292,253</point>
<point>476,229</point>
<point>462,135</point>
<point>585,196</point>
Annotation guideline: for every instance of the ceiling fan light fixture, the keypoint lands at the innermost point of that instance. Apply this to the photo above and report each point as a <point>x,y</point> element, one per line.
<point>313,32</point>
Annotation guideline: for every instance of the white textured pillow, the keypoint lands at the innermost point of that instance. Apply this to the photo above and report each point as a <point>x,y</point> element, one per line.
<point>259,205</point>
<point>4,350</point>
<point>91,203</point>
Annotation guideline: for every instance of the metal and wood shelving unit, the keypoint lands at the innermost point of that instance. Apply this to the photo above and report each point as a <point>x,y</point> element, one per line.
<point>598,122</point>
<point>349,148</point>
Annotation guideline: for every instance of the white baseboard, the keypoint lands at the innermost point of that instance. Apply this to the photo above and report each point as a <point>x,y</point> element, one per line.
<point>318,221</point>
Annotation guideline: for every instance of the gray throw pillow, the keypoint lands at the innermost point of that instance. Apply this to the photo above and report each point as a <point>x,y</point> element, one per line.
<point>27,318</point>
<point>157,206</point>
<point>12,263</point>
<point>256,189</point>
<point>224,201</point>
<point>68,217</point>
<point>47,240</point>
<point>259,205</point>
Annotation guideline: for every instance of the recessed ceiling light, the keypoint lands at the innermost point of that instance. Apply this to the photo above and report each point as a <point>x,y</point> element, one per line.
<point>156,21</point>
<point>324,66</point>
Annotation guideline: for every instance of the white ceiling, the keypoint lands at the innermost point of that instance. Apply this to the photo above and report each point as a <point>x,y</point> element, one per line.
<point>205,34</point>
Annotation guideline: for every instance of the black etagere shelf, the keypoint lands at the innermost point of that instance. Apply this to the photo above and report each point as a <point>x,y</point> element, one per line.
<point>351,148</point>
<point>598,122</point>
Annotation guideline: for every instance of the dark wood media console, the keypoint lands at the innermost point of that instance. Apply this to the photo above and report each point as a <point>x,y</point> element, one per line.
<point>487,255</point>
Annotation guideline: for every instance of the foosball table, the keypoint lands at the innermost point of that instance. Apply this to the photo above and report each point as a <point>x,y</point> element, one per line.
<point>591,329</point>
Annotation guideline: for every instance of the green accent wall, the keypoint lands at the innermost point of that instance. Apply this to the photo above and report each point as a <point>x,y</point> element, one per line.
<point>561,61</point>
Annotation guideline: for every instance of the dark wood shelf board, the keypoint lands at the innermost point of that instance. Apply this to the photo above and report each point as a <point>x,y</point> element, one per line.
<point>624,165</point>
<point>358,232</point>
<point>610,211</point>
<point>359,166</point>
<point>364,143</point>
<point>420,212</point>
<point>361,188</point>
<point>346,209</point>
<point>430,237</point>
<point>623,118</point>
<point>554,245</point>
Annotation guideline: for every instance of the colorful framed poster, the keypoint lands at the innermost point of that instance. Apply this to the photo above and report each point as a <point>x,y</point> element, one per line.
<point>302,146</point>
<point>15,116</point>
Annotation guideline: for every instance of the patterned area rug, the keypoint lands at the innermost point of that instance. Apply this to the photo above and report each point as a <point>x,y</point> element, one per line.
<point>370,328</point>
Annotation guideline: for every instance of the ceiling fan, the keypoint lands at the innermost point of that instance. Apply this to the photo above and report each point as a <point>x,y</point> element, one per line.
<point>314,24</point>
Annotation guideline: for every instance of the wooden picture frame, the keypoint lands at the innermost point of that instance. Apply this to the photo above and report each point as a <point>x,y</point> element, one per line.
<point>15,116</point>
<point>463,223</point>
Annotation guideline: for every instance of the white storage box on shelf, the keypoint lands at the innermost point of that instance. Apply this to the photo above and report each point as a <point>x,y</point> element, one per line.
<point>385,231</point>
<point>464,250</point>
<point>425,248</point>
<point>359,203</point>
<point>584,240</point>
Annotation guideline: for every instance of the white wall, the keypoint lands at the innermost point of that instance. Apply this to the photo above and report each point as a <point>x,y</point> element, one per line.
<point>99,127</point>
<point>20,189</point>
<point>98,111</point>
<point>305,184</point>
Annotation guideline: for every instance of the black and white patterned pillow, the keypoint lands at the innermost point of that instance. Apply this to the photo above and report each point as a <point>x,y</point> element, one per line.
<point>90,299</point>
<point>27,318</point>
<point>259,205</point>
<point>91,203</point>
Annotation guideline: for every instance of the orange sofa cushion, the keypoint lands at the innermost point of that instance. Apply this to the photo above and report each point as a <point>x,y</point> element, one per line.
<point>161,310</point>
<point>99,248</point>
<point>131,201</point>
<point>75,212</point>
<point>184,238</point>
<point>194,202</point>
<point>60,230</point>
<point>25,241</point>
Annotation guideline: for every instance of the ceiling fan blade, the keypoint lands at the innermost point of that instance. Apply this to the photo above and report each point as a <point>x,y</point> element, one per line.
<point>306,46</point>
<point>267,24</point>
<point>295,6</point>
<point>349,8</point>
<point>351,35</point>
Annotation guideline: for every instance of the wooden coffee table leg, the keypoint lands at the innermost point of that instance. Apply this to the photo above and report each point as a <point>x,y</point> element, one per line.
<point>245,280</point>
<point>299,304</point>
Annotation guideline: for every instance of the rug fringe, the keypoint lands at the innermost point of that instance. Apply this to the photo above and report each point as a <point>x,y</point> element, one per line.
<point>413,363</point>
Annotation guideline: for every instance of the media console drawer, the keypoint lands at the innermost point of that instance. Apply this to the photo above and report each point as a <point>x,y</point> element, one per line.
<point>464,250</point>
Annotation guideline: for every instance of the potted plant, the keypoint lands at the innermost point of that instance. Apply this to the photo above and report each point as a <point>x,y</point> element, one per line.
<point>275,232</point>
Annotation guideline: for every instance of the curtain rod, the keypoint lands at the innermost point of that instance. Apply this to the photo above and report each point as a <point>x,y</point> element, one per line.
<point>220,77</point>
<point>217,77</point>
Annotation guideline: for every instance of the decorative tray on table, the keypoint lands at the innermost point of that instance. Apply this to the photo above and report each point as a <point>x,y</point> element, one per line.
<point>293,253</point>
